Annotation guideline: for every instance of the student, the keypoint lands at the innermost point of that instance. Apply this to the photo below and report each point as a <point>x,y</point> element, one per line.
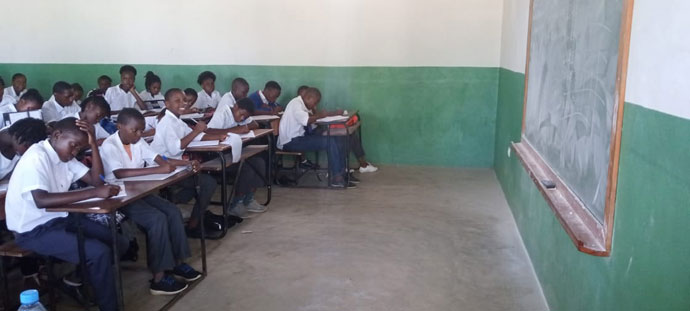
<point>103,82</point>
<point>92,111</point>
<point>238,90</point>
<point>18,87</point>
<point>4,98</point>
<point>237,119</point>
<point>208,97</point>
<point>16,139</point>
<point>124,155</point>
<point>265,101</point>
<point>60,105</point>
<point>124,95</point>
<point>171,139</point>
<point>152,82</point>
<point>40,180</point>
<point>78,93</point>
<point>31,100</point>
<point>292,134</point>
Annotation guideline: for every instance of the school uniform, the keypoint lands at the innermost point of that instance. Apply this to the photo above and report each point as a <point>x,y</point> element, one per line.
<point>119,99</point>
<point>260,100</point>
<point>146,95</point>
<point>223,118</point>
<point>204,100</point>
<point>166,142</point>
<point>100,132</point>
<point>9,91</point>
<point>7,165</point>
<point>7,109</point>
<point>52,111</point>
<point>47,233</point>
<point>7,100</point>
<point>292,136</point>
<point>166,239</point>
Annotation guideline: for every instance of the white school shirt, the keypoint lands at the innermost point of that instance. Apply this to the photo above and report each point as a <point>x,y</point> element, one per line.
<point>52,111</point>
<point>115,157</point>
<point>7,165</point>
<point>100,131</point>
<point>7,108</point>
<point>7,100</point>
<point>119,99</point>
<point>204,100</point>
<point>295,118</point>
<point>146,95</point>
<point>39,168</point>
<point>223,117</point>
<point>9,91</point>
<point>151,122</point>
<point>169,133</point>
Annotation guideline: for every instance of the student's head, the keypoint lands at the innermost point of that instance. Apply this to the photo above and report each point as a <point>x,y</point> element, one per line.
<point>239,88</point>
<point>104,82</point>
<point>131,125</point>
<point>63,93</point>
<point>127,75</point>
<point>18,82</point>
<point>94,109</point>
<point>207,81</point>
<point>67,139</point>
<point>31,100</point>
<point>77,91</point>
<point>175,101</point>
<point>272,91</point>
<point>152,82</point>
<point>301,89</point>
<point>244,108</point>
<point>2,87</point>
<point>27,132</point>
<point>190,96</point>
<point>312,97</point>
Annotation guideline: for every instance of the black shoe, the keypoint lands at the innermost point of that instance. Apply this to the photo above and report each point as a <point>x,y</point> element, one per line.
<point>75,292</point>
<point>353,179</point>
<point>132,253</point>
<point>195,233</point>
<point>341,184</point>
<point>186,272</point>
<point>168,285</point>
<point>285,181</point>
<point>213,222</point>
<point>308,165</point>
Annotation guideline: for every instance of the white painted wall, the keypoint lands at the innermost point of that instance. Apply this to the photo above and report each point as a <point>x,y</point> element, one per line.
<point>514,35</point>
<point>659,66</point>
<point>255,32</point>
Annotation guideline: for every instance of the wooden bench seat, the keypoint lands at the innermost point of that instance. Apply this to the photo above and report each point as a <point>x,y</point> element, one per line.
<point>289,153</point>
<point>11,249</point>
<point>247,152</point>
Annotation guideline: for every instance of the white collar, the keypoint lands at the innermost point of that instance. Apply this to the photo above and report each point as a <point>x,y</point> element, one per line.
<point>263,98</point>
<point>52,154</point>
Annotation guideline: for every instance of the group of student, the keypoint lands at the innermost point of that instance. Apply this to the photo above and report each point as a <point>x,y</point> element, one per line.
<point>41,157</point>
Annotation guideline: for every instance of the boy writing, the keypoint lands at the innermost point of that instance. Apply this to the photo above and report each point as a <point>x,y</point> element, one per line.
<point>265,101</point>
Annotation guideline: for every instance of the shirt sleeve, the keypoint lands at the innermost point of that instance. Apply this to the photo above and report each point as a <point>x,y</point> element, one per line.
<point>218,119</point>
<point>171,142</point>
<point>147,153</point>
<point>33,174</point>
<point>49,113</point>
<point>78,169</point>
<point>302,117</point>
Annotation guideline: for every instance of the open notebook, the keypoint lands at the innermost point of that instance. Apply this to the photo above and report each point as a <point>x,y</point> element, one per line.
<point>155,176</point>
<point>121,194</point>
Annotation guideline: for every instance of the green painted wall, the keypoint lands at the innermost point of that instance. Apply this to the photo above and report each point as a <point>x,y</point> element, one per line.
<point>649,267</point>
<point>442,116</point>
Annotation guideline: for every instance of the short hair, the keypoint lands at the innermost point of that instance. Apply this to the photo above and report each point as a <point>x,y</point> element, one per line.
<point>313,92</point>
<point>18,75</point>
<point>239,81</point>
<point>61,86</point>
<point>128,68</point>
<point>205,76</point>
<point>191,92</point>
<point>246,104</point>
<point>302,88</point>
<point>127,115</point>
<point>68,125</point>
<point>150,78</point>
<point>170,92</point>
<point>28,131</point>
<point>272,85</point>
<point>99,102</point>
<point>104,77</point>
<point>77,87</point>
<point>32,95</point>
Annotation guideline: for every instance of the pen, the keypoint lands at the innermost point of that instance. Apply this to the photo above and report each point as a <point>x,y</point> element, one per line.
<point>164,158</point>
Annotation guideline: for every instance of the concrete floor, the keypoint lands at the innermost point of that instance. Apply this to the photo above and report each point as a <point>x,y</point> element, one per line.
<point>408,238</point>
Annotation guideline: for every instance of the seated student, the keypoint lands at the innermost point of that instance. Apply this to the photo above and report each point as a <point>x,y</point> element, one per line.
<point>125,95</point>
<point>4,98</point>
<point>40,180</point>
<point>78,93</point>
<point>152,82</point>
<point>171,139</point>
<point>292,134</point>
<point>18,87</point>
<point>237,119</point>
<point>191,96</point>
<point>31,100</point>
<point>60,105</point>
<point>238,90</point>
<point>103,82</point>
<point>265,101</point>
<point>208,97</point>
<point>125,155</point>
<point>93,110</point>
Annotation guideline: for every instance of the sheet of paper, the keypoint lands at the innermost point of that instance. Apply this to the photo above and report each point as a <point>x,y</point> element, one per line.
<point>250,134</point>
<point>192,116</point>
<point>154,176</point>
<point>14,117</point>
<point>36,114</point>
<point>333,119</point>
<point>121,194</point>
<point>265,118</point>
<point>203,143</point>
<point>235,141</point>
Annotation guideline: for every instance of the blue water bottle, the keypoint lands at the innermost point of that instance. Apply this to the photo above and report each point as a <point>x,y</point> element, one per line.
<point>29,301</point>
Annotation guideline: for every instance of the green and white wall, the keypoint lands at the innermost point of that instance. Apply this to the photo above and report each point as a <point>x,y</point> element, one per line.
<point>422,74</point>
<point>649,267</point>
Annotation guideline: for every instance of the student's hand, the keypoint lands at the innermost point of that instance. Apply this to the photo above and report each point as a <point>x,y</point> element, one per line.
<point>90,131</point>
<point>244,129</point>
<point>321,114</point>
<point>193,110</point>
<point>166,168</point>
<point>200,127</point>
<point>133,90</point>
<point>196,166</point>
<point>277,109</point>
<point>106,191</point>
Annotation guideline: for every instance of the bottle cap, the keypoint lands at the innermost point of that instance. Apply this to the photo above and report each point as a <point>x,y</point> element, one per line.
<point>28,297</point>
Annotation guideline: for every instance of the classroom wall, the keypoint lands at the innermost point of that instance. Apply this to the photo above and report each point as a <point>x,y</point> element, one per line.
<point>396,62</point>
<point>649,264</point>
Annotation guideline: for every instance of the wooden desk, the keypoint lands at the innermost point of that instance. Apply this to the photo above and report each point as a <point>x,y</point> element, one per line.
<point>344,131</point>
<point>135,191</point>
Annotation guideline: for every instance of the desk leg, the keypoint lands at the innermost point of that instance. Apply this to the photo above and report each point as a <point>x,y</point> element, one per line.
<point>223,193</point>
<point>116,261</point>
<point>203,230</point>
<point>328,153</point>
<point>269,169</point>
<point>82,257</point>
<point>347,156</point>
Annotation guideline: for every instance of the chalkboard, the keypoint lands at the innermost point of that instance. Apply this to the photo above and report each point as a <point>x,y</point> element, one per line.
<point>571,92</point>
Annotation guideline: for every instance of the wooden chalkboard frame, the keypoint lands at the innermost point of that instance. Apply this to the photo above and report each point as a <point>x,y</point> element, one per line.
<point>587,233</point>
